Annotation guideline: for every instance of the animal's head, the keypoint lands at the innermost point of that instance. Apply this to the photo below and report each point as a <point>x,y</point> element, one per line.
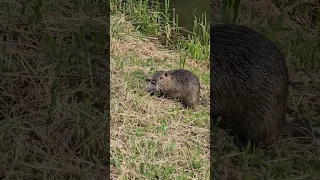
<point>164,82</point>
<point>152,81</point>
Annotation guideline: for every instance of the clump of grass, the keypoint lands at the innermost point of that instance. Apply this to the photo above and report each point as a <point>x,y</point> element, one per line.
<point>230,11</point>
<point>149,19</point>
<point>53,101</point>
<point>196,45</point>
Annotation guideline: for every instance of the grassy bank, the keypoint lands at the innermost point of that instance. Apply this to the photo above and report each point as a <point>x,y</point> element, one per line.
<point>151,20</point>
<point>150,137</point>
<point>153,138</point>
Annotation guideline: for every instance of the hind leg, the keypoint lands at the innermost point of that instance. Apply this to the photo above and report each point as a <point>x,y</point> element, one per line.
<point>261,128</point>
<point>236,131</point>
<point>191,101</point>
<point>229,124</point>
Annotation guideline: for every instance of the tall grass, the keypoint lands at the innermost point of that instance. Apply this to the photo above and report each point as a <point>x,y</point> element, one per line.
<point>151,20</point>
<point>197,44</point>
<point>230,11</point>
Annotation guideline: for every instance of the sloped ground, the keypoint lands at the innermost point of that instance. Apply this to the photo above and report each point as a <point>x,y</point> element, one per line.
<point>142,151</point>
<point>153,138</point>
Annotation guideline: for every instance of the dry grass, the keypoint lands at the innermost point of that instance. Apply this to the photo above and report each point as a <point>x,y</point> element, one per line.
<point>53,92</point>
<point>144,128</point>
<point>153,138</point>
<point>54,99</point>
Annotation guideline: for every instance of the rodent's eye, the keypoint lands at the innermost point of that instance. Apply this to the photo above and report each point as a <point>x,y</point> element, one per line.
<point>160,77</point>
<point>165,74</point>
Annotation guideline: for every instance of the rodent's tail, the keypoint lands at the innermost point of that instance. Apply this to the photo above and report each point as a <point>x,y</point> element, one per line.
<point>298,130</point>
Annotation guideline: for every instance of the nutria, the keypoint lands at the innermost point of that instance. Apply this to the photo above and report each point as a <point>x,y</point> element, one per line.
<point>151,87</point>
<point>180,83</point>
<point>249,84</point>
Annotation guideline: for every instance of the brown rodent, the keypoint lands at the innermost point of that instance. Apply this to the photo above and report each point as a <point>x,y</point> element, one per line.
<point>249,84</point>
<point>151,86</point>
<point>180,83</point>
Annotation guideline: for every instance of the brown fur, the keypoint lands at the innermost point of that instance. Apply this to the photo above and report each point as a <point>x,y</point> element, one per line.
<point>151,87</point>
<point>249,84</point>
<point>181,84</point>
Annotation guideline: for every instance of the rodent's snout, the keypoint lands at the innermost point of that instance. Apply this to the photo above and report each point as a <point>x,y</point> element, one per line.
<point>157,87</point>
<point>150,88</point>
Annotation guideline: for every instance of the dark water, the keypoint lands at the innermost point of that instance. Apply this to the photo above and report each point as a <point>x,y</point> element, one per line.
<point>187,9</point>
